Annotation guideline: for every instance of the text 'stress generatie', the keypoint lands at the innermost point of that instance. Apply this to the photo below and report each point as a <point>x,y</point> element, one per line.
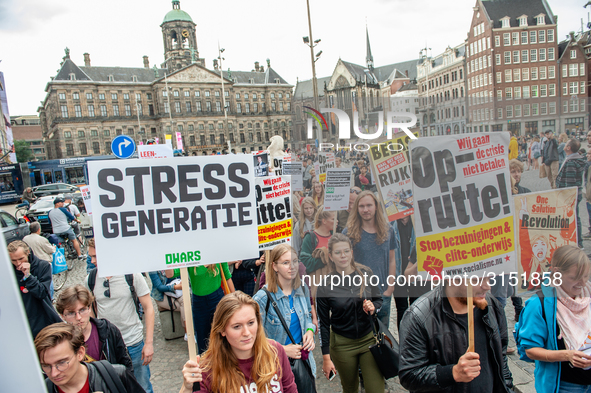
<point>463,205</point>
<point>544,221</point>
<point>274,214</point>
<point>173,212</point>
<point>391,165</point>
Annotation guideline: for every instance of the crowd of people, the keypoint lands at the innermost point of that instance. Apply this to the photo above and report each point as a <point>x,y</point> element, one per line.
<point>258,335</point>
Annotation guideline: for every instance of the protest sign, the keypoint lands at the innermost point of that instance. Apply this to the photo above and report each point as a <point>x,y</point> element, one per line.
<point>392,173</point>
<point>278,164</point>
<point>337,188</point>
<point>172,212</point>
<point>16,342</point>
<point>179,141</point>
<point>261,163</point>
<point>325,161</point>
<point>295,170</point>
<point>273,211</point>
<point>154,151</point>
<point>85,191</point>
<point>462,203</point>
<point>544,221</point>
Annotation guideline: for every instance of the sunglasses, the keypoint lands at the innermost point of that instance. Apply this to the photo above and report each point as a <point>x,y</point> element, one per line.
<point>108,291</point>
<point>355,192</point>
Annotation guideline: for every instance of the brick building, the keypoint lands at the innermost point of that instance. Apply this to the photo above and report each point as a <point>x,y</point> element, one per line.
<point>442,92</point>
<point>28,129</point>
<point>87,106</point>
<point>511,59</point>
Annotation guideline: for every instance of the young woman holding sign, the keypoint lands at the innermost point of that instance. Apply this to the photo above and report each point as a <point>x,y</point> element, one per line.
<point>345,321</point>
<point>305,223</point>
<point>239,358</point>
<point>206,284</point>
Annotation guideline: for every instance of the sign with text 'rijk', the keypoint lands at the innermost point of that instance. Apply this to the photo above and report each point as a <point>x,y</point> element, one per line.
<point>462,204</point>
<point>172,212</point>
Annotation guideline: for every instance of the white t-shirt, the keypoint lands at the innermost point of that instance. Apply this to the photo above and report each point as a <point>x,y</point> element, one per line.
<point>74,210</point>
<point>119,308</point>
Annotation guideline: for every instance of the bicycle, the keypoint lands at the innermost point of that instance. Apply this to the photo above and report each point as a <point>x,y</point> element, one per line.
<point>21,212</point>
<point>69,251</point>
<point>59,280</point>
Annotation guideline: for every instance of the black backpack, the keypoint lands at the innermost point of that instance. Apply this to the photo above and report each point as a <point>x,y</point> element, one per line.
<point>129,278</point>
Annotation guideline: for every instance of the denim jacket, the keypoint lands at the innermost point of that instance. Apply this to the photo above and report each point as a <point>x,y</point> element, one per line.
<point>271,322</point>
<point>159,285</point>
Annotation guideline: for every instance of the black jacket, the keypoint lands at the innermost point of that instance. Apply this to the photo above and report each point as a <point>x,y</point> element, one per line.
<point>341,308</point>
<point>37,300</point>
<point>432,340</point>
<point>550,152</point>
<point>113,348</point>
<point>97,384</point>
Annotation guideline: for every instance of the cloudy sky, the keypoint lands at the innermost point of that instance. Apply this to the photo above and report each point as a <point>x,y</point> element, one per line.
<point>34,33</point>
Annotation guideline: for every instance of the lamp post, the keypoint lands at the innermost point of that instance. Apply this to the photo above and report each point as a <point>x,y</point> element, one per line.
<point>311,43</point>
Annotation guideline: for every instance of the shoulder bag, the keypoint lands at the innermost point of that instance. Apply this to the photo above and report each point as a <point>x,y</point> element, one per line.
<point>385,351</point>
<point>301,369</point>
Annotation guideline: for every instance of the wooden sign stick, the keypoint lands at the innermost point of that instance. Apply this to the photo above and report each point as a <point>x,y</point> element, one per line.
<point>189,319</point>
<point>470,319</point>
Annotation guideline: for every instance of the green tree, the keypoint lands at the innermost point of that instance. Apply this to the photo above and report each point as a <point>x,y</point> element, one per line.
<point>23,151</point>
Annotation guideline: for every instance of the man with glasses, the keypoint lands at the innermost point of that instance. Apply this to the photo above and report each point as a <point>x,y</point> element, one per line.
<point>103,339</point>
<point>61,351</point>
<point>115,302</point>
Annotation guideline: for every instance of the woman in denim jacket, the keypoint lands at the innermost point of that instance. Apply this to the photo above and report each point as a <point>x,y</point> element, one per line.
<point>293,299</point>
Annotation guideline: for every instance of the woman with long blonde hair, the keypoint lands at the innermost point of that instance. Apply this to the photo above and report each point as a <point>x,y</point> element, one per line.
<point>317,193</point>
<point>305,223</point>
<point>239,358</point>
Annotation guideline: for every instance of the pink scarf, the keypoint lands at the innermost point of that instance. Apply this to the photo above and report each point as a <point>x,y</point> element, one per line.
<point>574,316</point>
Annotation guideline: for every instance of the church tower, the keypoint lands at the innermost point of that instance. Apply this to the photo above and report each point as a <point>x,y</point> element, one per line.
<point>180,40</point>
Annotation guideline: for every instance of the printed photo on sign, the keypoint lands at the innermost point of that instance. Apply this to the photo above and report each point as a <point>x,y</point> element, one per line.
<point>261,163</point>
<point>172,212</point>
<point>462,204</point>
<point>544,221</point>
<point>390,162</point>
<point>273,195</point>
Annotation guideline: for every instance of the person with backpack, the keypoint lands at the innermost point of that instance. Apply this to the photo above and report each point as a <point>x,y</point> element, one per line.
<point>291,305</point>
<point>61,351</point>
<point>555,326</point>
<point>118,299</point>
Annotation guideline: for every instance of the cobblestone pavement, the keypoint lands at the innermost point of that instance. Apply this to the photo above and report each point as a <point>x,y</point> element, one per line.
<point>170,355</point>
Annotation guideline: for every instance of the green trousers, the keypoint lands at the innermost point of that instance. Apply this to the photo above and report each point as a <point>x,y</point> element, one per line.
<point>348,355</point>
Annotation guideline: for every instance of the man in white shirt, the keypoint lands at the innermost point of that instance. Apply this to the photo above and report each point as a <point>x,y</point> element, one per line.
<point>115,303</point>
<point>39,244</point>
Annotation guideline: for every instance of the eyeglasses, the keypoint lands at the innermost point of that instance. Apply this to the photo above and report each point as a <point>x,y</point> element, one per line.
<point>295,262</point>
<point>82,312</point>
<point>61,366</point>
<point>339,253</point>
<point>355,191</point>
<point>108,291</point>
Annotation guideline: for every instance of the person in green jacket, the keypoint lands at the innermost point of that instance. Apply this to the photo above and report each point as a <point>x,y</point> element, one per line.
<point>206,287</point>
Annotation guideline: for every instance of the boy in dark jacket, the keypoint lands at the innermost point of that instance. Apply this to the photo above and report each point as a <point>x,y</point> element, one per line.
<point>550,157</point>
<point>34,279</point>
<point>103,339</point>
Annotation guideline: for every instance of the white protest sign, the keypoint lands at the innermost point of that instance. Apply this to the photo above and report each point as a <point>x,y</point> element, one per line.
<point>19,362</point>
<point>462,204</point>
<point>337,188</point>
<point>85,190</point>
<point>278,164</point>
<point>273,211</point>
<point>155,151</point>
<point>295,170</point>
<point>172,212</point>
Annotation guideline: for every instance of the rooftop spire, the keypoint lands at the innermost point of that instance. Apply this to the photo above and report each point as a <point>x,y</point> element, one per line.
<point>368,57</point>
